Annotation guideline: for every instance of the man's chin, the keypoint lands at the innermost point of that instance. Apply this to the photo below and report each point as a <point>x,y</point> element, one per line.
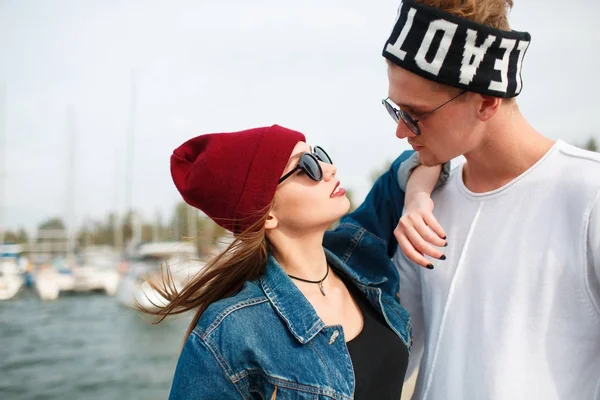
<point>428,160</point>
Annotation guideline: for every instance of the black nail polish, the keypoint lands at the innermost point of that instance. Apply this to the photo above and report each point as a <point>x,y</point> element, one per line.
<point>446,245</point>
<point>443,257</point>
<point>444,238</point>
<point>429,266</point>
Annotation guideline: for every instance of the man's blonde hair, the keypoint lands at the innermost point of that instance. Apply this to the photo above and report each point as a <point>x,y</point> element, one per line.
<point>493,13</point>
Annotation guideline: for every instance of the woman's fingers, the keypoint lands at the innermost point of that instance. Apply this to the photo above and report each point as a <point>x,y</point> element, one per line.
<point>409,250</point>
<point>422,246</point>
<point>435,226</point>
<point>417,233</point>
<point>420,221</point>
<point>425,231</point>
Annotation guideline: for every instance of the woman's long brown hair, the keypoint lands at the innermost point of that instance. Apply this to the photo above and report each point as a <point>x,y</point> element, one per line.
<point>243,260</point>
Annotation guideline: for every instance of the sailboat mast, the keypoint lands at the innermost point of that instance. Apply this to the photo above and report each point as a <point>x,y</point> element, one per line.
<point>3,116</point>
<point>70,193</point>
<point>129,155</point>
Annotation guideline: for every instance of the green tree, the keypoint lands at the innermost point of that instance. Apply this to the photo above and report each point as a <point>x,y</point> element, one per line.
<point>591,145</point>
<point>19,237</point>
<point>22,236</point>
<point>10,237</point>
<point>206,231</point>
<point>52,224</point>
<point>97,233</point>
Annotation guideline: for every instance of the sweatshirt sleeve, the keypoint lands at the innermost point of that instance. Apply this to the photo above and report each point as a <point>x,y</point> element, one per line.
<point>412,162</point>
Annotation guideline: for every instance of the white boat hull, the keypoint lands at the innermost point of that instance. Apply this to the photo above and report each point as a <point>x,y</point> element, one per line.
<point>50,283</point>
<point>10,286</point>
<point>47,288</point>
<point>181,259</point>
<point>11,279</point>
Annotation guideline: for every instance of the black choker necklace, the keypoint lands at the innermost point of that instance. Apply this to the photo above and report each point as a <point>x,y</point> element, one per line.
<point>319,282</point>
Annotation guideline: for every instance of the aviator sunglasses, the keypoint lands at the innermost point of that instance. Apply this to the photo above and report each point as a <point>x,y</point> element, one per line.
<point>411,122</point>
<point>309,164</point>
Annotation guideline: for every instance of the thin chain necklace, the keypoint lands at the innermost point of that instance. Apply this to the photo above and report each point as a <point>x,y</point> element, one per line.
<point>320,283</point>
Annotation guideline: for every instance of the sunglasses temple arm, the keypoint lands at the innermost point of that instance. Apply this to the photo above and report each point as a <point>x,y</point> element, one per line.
<point>283,178</point>
<point>437,108</point>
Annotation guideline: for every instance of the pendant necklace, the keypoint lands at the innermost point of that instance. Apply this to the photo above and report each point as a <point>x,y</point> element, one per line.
<point>320,283</point>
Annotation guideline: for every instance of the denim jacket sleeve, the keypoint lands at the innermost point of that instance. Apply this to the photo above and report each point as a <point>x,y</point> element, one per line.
<point>199,374</point>
<point>382,208</point>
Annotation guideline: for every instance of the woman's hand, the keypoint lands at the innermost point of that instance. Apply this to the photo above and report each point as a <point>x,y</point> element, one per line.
<point>418,230</point>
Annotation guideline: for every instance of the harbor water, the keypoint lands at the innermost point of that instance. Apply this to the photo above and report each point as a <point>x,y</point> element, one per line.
<point>84,347</point>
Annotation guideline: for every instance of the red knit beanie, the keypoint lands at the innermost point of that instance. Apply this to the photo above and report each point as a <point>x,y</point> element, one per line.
<point>232,177</point>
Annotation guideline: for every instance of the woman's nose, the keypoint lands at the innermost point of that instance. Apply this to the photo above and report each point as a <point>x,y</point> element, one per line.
<point>329,170</point>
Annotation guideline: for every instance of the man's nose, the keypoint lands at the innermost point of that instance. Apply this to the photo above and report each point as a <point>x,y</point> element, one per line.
<point>403,131</point>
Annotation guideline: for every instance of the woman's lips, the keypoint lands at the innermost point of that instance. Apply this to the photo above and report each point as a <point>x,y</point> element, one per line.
<point>338,191</point>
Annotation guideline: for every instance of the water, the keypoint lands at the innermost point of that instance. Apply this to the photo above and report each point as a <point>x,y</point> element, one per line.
<point>84,347</point>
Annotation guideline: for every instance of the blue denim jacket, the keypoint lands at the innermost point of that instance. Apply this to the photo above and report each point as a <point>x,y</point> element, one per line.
<point>268,342</point>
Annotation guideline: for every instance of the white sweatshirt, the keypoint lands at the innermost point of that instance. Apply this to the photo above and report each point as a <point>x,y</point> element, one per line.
<point>514,311</point>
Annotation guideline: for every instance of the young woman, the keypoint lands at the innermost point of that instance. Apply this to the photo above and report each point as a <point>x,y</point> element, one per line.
<point>289,311</point>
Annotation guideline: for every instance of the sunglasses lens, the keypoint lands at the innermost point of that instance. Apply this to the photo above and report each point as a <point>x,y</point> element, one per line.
<point>322,155</point>
<point>410,122</point>
<point>391,110</point>
<point>311,166</point>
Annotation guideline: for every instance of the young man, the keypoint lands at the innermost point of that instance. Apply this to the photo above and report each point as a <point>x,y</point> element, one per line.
<point>514,310</point>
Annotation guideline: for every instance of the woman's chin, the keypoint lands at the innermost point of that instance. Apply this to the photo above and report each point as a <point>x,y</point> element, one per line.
<point>346,206</point>
<point>341,209</point>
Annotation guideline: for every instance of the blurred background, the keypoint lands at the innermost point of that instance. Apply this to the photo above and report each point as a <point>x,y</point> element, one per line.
<point>94,97</point>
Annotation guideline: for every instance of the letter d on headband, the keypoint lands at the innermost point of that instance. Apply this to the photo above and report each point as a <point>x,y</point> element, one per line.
<point>457,52</point>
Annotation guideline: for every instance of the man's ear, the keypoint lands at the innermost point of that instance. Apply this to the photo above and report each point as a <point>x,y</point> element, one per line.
<point>271,222</point>
<point>488,107</point>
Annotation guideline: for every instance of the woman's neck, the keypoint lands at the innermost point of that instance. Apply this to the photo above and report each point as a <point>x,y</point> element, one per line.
<point>303,256</point>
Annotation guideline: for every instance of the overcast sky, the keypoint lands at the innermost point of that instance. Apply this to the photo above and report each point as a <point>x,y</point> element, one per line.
<point>221,65</point>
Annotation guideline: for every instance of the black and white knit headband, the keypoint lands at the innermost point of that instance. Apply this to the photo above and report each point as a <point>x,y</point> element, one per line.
<point>457,52</point>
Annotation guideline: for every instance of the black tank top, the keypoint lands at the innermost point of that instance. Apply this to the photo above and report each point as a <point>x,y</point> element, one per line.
<point>379,356</point>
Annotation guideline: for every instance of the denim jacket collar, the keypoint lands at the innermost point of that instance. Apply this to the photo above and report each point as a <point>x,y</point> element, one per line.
<point>367,276</point>
<point>289,302</point>
<point>291,305</point>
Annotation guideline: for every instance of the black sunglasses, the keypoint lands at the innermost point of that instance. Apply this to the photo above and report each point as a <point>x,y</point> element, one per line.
<point>411,122</point>
<point>309,164</point>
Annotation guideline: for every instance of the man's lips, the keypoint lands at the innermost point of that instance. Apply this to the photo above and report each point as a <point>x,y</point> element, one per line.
<point>416,146</point>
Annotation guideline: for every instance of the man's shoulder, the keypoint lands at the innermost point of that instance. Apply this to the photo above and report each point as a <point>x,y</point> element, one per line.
<point>575,155</point>
<point>577,168</point>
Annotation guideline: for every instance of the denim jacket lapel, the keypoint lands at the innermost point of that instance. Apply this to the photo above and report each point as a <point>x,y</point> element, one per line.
<point>289,302</point>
